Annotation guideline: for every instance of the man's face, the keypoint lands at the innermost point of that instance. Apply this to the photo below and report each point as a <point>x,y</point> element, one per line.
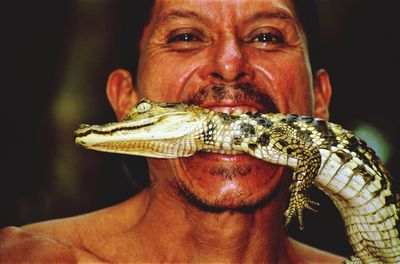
<point>239,55</point>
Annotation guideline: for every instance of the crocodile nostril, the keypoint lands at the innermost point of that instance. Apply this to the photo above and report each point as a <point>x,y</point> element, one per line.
<point>81,126</point>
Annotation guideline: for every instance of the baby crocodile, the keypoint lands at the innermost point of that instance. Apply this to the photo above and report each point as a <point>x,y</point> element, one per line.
<point>319,152</point>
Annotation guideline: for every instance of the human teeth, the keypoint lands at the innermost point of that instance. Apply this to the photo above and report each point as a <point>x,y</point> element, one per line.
<point>235,110</point>
<point>243,110</point>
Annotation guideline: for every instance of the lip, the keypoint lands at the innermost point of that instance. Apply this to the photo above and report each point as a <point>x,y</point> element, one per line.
<point>234,158</point>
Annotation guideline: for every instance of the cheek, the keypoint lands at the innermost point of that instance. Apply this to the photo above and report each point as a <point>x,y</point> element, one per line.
<point>162,77</point>
<point>294,92</point>
<point>289,81</point>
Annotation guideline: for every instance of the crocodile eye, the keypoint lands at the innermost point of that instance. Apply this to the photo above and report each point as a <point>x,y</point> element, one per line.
<point>143,107</point>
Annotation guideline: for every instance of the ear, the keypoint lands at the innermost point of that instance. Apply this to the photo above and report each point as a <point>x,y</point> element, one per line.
<point>322,94</point>
<point>121,93</point>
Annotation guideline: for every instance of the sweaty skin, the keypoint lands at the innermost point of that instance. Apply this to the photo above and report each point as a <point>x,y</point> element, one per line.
<point>240,55</point>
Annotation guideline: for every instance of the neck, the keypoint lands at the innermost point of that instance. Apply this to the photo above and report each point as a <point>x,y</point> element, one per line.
<point>180,232</point>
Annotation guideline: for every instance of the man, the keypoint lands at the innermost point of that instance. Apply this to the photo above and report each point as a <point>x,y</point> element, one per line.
<point>239,55</point>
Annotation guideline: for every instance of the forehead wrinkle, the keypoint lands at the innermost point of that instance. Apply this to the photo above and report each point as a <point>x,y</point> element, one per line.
<point>180,14</point>
<point>271,15</point>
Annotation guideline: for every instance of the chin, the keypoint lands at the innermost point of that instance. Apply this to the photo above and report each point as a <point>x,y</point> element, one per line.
<point>217,183</point>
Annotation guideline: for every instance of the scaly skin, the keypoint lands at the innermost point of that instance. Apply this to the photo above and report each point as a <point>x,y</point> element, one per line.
<point>319,152</point>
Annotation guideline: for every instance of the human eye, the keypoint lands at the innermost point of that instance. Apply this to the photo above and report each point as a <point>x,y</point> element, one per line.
<point>265,38</point>
<point>268,38</point>
<point>185,39</point>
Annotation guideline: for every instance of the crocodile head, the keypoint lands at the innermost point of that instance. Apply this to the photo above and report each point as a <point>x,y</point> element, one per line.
<point>161,130</point>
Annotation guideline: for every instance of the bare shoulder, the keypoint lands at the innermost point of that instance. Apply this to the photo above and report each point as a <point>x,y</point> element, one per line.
<point>58,240</point>
<point>67,240</point>
<point>314,255</point>
<point>18,245</point>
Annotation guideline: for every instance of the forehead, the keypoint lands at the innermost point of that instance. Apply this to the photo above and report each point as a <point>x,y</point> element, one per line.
<point>222,10</point>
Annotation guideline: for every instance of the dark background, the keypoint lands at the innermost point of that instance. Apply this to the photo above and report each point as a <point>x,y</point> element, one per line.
<point>56,59</point>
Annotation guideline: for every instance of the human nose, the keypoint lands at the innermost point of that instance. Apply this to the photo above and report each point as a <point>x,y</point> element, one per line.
<point>228,62</point>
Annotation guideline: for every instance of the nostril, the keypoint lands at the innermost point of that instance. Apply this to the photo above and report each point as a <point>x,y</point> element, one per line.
<point>217,76</point>
<point>240,76</point>
<point>82,126</point>
<point>222,78</point>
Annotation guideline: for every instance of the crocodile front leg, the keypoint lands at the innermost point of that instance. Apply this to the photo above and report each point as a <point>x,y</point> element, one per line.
<point>278,142</point>
<point>302,181</point>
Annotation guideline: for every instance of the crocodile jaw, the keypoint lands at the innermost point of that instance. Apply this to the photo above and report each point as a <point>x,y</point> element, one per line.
<point>163,137</point>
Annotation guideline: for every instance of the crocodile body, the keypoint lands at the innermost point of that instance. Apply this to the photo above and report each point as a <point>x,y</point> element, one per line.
<point>319,152</point>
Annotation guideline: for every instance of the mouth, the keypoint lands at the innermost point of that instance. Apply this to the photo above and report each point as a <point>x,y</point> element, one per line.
<point>240,98</point>
<point>234,98</point>
<point>239,107</point>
